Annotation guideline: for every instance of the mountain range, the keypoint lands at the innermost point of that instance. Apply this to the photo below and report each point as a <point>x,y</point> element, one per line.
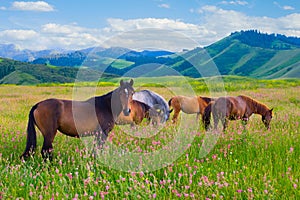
<point>245,53</point>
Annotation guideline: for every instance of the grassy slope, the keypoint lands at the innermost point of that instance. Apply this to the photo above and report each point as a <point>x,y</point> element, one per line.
<point>235,58</point>
<point>256,164</point>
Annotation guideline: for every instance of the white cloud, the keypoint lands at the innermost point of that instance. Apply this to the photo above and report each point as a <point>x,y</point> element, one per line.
<point>236,2</point>
<point>41,6</point>
<point>288,8</point>
<point>52,36</point>
<point>3,8</point>
<point>164,5</point>
<point>223,22</point>
<point>156,33</point>
<point>152,33</point>
<point>19,35</point>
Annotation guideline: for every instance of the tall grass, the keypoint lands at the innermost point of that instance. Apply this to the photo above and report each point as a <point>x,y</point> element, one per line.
<point>244,164</point>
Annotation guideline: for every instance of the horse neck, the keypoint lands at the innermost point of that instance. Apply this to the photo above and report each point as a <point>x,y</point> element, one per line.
<point>258,108</point>
<point>114,104</point>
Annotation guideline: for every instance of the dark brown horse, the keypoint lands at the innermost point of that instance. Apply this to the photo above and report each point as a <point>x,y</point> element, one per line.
<point>235,108</point>
<point>139,111</point>
<point>77,118</point>
<point>189,105</point>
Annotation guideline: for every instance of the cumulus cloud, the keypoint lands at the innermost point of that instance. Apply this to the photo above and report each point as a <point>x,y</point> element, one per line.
<point>52,36</point>
<point>236,2</point>
<point>40,6</point>
<point>288,8</point>
<point>19,35</point>
<point>152,33</point>
<point>223,22</point>
<point>156,33</point>
<point>164,5</point>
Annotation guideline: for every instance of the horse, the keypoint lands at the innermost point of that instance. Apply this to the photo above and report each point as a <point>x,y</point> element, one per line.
<point>188,105</point>
<point>235,108</point>
<point>139,111</point>
<point>76,118</point>
<point>155,101</point>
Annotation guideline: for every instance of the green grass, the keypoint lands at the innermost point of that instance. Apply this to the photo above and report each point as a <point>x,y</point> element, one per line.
<point>251,164</point>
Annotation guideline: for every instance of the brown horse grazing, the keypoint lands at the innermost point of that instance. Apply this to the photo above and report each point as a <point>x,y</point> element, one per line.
<point>139,111</point>
<point>234,108</point>
<point>189,105</point>
<point>76,118</point>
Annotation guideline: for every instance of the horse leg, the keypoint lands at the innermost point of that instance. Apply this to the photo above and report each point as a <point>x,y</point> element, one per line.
<point>225,123</point>
<point>197,116</point>
<point>47,145</point>
<point>216,120</point>
<point>244,123</point>
<point>175,116</point>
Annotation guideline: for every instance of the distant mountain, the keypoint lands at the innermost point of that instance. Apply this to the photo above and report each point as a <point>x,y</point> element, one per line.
<point>245,53</point>
<point>101,59</point>
<point>13,52</point>
<point>23,73</point>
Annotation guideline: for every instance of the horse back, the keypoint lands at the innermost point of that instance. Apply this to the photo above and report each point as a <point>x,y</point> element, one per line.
<point>47,114</point>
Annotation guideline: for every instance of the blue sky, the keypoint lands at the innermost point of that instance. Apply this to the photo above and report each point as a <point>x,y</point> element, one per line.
<point>140,24</point>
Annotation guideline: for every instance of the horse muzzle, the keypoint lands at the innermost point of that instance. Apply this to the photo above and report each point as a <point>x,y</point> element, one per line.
<point>126,112</point>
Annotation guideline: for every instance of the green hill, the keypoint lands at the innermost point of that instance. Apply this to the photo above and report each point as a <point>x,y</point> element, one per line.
<point>246,54</point>
<point>23,73</point>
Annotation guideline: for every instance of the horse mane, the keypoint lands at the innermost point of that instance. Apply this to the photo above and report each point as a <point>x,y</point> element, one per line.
<point>207,99</point>
<point>256,106</point>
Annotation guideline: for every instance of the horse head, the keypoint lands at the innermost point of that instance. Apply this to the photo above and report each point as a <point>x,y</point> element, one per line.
<point>125,92</point>
<point>266,118</point>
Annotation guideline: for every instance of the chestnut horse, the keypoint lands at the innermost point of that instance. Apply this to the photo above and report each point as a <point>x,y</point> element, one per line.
<point>139,111</point>
<point>234,108</point>
<point>76,118</point>
<point>189,105</point>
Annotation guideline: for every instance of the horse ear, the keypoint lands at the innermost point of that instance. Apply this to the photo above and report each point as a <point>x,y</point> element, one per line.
<point>271,109</point>
<point>121,82</point>
<point>131,82</point>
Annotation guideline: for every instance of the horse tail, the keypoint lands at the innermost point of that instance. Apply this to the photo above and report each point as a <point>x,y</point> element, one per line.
<point>31,134</point>
<point>206,115</point>
<point>170,104</point>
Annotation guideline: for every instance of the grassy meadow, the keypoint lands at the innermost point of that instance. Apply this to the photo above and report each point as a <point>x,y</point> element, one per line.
<point>242,164</point>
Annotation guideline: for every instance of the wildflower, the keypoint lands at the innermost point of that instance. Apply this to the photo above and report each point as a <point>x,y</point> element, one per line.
<point>239,191</point>
<point>70,176</point>
<point>295,185</point>
<point>214,157</point>
<point>266,191</point>
<point>291,149</point>
<point>141,174</point>
<point>249,189</point>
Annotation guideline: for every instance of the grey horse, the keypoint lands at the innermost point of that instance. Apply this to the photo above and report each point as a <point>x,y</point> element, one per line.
<point>155,101</point>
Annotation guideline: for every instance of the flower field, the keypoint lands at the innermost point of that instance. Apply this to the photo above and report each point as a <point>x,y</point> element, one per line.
<point>240,164</point>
